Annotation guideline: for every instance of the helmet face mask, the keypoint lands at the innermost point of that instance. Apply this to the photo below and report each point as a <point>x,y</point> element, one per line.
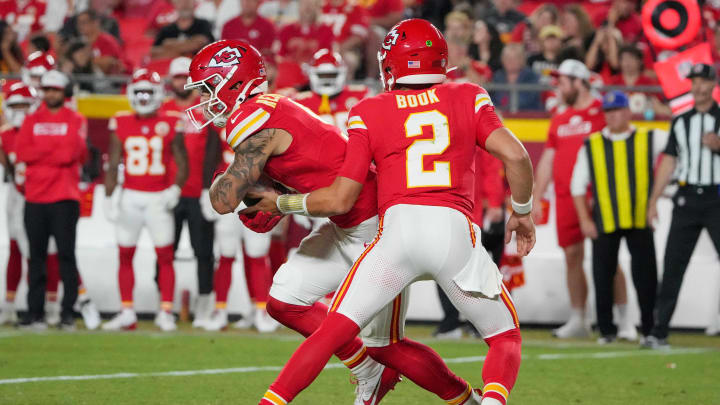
<point>226,73</point>
<point>20,100</point>
<point>145,92</point>
<point>327,73</point>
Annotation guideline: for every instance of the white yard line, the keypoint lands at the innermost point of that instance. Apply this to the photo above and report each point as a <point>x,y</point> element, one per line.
<point>455,360</point>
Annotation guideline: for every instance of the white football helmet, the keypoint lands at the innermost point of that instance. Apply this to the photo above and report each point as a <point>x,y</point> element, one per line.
<point>327,73</point>
<point>145,92</point>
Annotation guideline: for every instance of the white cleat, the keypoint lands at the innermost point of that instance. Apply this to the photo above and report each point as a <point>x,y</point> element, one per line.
<point>475,398</point>
<point>90,314</point>
<point>165,321</point>
<point>264,323</point>
<point>8,315</point>
<point>574,328</point>
<point>628,333</point>
<point>52,313</point>
<point>454,334</point>
<point>714,328</point>
<point>124,320</point>
<point>203,310</point>
<point>218,321</point>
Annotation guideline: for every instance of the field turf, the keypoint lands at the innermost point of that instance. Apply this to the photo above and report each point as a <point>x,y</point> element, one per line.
<point>191,367</point>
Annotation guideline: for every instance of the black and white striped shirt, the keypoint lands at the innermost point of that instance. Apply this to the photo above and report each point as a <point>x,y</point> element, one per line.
<point>697,165</point>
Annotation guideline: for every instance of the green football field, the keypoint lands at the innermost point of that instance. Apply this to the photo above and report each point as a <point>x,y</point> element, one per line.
<point>190,367</point>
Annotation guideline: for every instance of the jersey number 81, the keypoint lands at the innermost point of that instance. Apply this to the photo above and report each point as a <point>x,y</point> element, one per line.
<point>144,156</point>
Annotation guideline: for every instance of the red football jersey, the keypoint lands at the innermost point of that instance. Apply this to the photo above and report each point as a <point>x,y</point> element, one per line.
<point>195,142</point>
<point>52,145</point>
<point>7,142</point>
<point>345,21</point>
<point>423,143</point>
<point>314,157</point>
<point>568,130</point>
<point>338,106</point>
<point>147,149</point>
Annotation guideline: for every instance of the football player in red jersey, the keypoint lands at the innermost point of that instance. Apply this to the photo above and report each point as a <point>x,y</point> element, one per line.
<point>422,136</point>
<point>581,116</point>
<point>19,100</point>
<point>274,135</point>
<point>203,150</point>
<point>330,97</point>
<point>230,233</point>
<point>145,141</point>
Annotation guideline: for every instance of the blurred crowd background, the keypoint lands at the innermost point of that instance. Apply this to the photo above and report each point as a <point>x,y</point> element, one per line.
<point>501,44</point>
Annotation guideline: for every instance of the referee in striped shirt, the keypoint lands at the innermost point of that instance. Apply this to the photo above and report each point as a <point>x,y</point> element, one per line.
<point>693,153</point>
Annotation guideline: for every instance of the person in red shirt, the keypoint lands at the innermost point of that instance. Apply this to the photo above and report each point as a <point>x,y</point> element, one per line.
<point>251,27</point>
<point>299,41</point>
<point>330,97</point>
<point>422,135</point>
<point>581,116</point>
<point>145,141</point>
<point>383,13</point>
<point>632,74</point>
<point>107,54</point>
<point>350,25</point>
<point>51,145</point>
<point>25,16</point>
<point>624,16</point>
<point>203,152</point>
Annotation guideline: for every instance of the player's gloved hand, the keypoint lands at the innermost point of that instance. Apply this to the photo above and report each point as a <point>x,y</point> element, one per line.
<point>206,208</point>
<point>111,206</point>
<point>260,222</point>
<point>171,197</point>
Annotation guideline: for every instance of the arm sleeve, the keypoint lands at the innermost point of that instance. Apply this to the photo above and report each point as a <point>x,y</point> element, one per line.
<point>357,156</point>
<point>581,174</point>
<point>672,148</point>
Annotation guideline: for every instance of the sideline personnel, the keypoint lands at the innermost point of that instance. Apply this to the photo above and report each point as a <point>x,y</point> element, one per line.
<point>694,149</point>
<point>52,145</point>
<point>618,163</point>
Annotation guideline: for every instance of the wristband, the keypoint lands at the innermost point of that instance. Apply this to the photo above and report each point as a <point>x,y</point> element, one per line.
<point>521,209</point>
<point>293,204</point>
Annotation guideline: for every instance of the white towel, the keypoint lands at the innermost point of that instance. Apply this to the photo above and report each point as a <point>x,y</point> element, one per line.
<point>480,274</point>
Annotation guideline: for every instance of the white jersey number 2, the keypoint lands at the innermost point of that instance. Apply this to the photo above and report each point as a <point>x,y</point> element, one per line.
<point>143,156</point>
<point>417,176</point>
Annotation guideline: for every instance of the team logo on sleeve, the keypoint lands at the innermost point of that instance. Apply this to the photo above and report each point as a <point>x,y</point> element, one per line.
<point>227,56</point>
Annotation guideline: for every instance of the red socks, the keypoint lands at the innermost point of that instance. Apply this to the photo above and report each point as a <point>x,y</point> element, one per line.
<point>166,276</point>
<point>223,278</point>
<point>502,364</point>
<point>53,276</point>
<point>424,367</point>
<point>14,271</point>
<point>126,275</point>
<point>311,357</point>
<point>307,319</point>
<point>258,277</point>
